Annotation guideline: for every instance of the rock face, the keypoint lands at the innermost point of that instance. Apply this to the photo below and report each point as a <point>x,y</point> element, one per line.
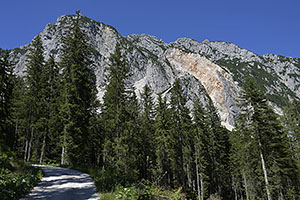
<point>216,81</point>
<point>212,70</point>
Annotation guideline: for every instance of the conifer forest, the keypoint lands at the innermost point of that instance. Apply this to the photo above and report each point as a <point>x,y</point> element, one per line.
<point>52,115</point>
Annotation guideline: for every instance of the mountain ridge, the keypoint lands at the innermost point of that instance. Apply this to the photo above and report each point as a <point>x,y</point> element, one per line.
<point>208,70</point>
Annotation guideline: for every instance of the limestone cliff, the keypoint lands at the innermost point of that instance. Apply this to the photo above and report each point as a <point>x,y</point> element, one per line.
<point>207,70</point>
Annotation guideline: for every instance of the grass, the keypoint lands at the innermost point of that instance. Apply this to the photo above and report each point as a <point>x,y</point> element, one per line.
<point>107,196</point>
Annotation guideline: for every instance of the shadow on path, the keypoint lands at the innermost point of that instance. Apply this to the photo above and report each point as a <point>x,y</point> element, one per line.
<point>63,184</point>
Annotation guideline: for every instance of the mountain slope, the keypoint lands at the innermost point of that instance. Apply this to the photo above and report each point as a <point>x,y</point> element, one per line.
<point>212,70</point>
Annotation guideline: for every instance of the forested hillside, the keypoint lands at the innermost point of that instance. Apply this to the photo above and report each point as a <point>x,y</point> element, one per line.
<point>169,139</point>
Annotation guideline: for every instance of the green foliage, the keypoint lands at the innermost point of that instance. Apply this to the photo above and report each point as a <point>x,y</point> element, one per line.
<point>180,129</point>
<point>16,177</point>
<point>163,143</point>
<point>177,195</point>
<point>34,97</point>
<point>263,78</point>
<point>261,152</point>
<point>6,98</point>
<point>107,181</point>
<point>107,196</point>
<point>78,94</point>
<point>147,133</point>
<point>127,193</point>
<point>17,51</point>
<point>120,120</point>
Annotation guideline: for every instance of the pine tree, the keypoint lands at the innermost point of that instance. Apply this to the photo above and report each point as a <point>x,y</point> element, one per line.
<point>202,148</point>
<point>6,95</point>
<point>147,132</point>
<point>50,96</point>
<point>291,121</point>
<point>163,144</point>
<point>132,135</point>
<point>79,93</point>
<point>181,126</point>
<point>212,151</point>
<point>220,180</point>
<point>269,145</point>
<point>35,64</point>
<point>113,112</point>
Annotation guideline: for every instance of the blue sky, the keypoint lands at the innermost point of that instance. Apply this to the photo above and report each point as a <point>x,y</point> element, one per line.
<point>261,26</point>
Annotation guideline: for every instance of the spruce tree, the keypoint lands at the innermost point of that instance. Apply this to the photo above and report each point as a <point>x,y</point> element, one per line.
<point>79,93</point>
<point>220,179</point>
<point>181,127</point>
<point>270,147</point>
<point>163,144</point>
<point>147,132</point>
<point>113,112</point>
<point>50,94</point>
<point>6,96</point>
<point>212,151</point>
<point>35,63</point>
<point>291,121</point>
<point>202,148</point>
<point>19,115</point>
<point>132,136</point>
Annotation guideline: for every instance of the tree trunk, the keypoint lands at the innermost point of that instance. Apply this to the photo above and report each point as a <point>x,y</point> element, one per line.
<point>246,185</point>
<point>200,197</point>
<point>188,174</point>
<point>202,187</point>
<point>30,145</point>
<point>264,167</point>
<point>235,193</point>
<point>26,149</point>
<point>182,165</point>
<point>16,136</point>
<point>63,150</point>
<point>43,149</point>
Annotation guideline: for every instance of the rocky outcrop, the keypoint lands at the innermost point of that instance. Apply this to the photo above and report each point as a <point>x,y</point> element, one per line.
<point>207,69</point>
<point>216,81</point>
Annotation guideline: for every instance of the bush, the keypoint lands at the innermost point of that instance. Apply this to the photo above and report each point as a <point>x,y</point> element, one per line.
<point>107,181</point>
<point>16,178</point>
<point>128,193</point>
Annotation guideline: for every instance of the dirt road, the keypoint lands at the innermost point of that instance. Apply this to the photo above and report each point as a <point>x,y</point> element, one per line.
<point>63,184</point>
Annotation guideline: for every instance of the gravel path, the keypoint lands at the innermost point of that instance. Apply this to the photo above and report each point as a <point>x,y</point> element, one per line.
<point>63,184</point>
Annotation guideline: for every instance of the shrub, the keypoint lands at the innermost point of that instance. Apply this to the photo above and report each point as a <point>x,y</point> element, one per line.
<point>128,193</point>
<point>16,178</point>
<point>107,181</point>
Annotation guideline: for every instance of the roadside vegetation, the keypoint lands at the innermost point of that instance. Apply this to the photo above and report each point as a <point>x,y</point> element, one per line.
<point>16,177</point>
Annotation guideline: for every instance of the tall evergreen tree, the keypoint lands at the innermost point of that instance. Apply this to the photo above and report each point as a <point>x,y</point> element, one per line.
<point>291,121</point>
<point>35,63</point>
<point>181,126</point>
<point>147,132</point>
<point>6,93</point>
<point>269,144</point>
<point>50,96</point>
<point>202,148</point>
<point>220,179</point>
<point>212,151</point>
<point>163,144</point>
<point>113,112</point>
<point>79,93</point>
<point>132,133</point>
